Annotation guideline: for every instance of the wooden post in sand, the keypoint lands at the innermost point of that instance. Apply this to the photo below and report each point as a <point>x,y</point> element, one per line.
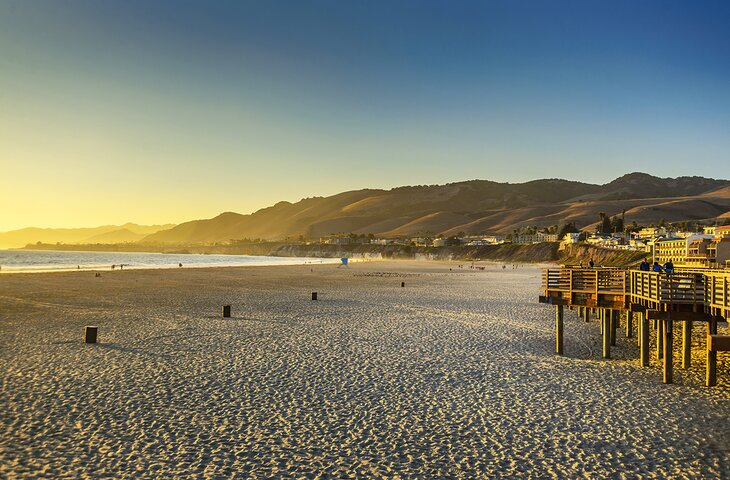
<point>314,295</point>
<point>402,284</point>
<point>613,318</point>
<point>586,315</point>
<point>686,343</point>
<point>90,334</point>
<point>659,339</point>
<point>668,367</point>
<point>644,322</point>
<point>599,314</point>
<point>606,322</point>
<point>559,329</point>
<point>629,325</point>
<point>226,311</point>
<point>711,373</point>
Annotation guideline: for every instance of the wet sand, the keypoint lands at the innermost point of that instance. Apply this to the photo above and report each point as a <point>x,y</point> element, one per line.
<point>452,376</point>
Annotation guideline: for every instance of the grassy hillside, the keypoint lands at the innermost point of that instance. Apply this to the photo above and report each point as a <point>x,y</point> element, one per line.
<point>476,206</point>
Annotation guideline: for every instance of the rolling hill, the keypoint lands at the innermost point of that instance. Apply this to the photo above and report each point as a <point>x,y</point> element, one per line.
<point>129,232</point>
<point>477,206</point>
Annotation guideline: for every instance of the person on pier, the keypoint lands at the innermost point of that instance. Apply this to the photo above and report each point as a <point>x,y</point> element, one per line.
<point>657,268</point>
<point>644,266</point>
<point>669,267</point>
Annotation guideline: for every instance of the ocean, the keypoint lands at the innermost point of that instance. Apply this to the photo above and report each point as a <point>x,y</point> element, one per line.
<point>54,261</point>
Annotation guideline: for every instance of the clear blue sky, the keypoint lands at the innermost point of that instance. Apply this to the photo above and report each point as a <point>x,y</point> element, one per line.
<point>162,111</point>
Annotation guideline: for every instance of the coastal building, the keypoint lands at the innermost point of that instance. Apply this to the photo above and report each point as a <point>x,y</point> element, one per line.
<point>718,252</point>
<point>538,237</point>
<point>652,232</point>
<point>571,238</point>
<point>678,249</point>
<point>723,232</point>
<point>439,242</point>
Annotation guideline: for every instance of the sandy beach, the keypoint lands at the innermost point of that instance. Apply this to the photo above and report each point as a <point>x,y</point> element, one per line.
<point>452,376</point>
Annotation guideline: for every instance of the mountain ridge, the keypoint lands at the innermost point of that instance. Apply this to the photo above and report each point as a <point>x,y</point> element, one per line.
<point>473,206</point>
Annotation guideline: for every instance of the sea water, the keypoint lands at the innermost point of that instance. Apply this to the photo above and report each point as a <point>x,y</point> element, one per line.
<point>51,261</point>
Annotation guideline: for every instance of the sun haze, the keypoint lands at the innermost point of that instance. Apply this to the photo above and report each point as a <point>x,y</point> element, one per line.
<point>158,112</point>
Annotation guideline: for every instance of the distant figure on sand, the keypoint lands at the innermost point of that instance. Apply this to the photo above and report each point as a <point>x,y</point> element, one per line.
<point>179,265</point>
<point>591,263</point>
<point>644,266</point>
<point>657,267</point>
<point>114,266</point>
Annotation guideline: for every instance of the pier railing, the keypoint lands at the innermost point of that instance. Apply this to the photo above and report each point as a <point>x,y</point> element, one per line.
<point>660,289</point>
<point>691,290</point>
<point>717,293</point>
<point>585,286</point>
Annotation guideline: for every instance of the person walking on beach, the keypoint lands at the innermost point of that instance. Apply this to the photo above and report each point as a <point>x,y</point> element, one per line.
<point>644,266</point>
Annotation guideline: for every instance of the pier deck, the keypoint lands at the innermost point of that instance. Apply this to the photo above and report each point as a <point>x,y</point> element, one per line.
<point>685,296</point>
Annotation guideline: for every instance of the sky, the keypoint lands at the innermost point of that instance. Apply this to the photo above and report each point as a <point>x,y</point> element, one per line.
<point>167,111</point>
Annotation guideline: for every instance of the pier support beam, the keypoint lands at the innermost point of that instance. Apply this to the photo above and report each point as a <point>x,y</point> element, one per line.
<point>629,325</point>
<point>686,343</point>
<point>559,329</point>
<point>606,324</point>
<point>586,315</point>
<point>711,373</point>
<point>644,323</point>
<point>659,339</point>
<point>599,315</point>
<point>613,317</point>
<point>668,367</point>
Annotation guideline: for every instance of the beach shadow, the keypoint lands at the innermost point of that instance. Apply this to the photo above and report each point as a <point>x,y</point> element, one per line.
<point>137,351</point>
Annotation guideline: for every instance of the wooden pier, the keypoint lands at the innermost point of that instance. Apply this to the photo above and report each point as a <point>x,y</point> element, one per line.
<point>658,299</point>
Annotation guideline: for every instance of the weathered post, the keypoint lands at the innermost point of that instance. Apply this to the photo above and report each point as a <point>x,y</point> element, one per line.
<point>686,343</point>
<point>226,311</point>
<point>629,325</point>
<point>90,334</point>
<point>586,314</point>
<point>606,322</point>
<point>600,315</point>
<point>659,339</point>
<point>613,321</point>
<point>668,349</point>
<point>559,329</point>
<point>314,295</point>
<point>711,373</point>
<point>644,322</point>
<point>402,284</point>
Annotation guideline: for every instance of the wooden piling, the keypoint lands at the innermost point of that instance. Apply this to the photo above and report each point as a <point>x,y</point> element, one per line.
<point>600,319</point>
<point>90,334</point>
<point>613,322</point>
<point>402,284</point>
<point>668,367</point>
<point>314,295</point>
<point>644,322</point>
<point>686,343</point>
<point>629,325</point>
<point>559,329</point>
<point>711,371</point>
<point>659,339</point>
<point>606,322</point>
<point>586,315</point>
<point>226,310</point>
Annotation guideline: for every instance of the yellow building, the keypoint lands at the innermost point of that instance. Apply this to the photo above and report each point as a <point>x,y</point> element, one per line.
<point>674,249</point>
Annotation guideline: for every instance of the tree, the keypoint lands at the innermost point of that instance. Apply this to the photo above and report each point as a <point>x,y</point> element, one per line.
<point>567,228</point>
<point>617,224</point>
